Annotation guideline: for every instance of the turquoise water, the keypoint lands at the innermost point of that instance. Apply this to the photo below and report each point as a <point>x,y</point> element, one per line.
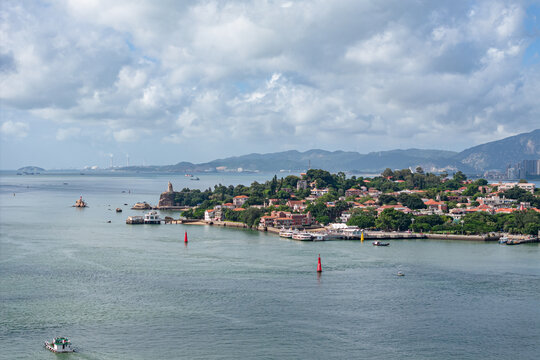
<point>136,292</point>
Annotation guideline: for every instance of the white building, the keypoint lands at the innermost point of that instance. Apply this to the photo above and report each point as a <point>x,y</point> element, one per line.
<point>345,217</point>
<point>240,200</point>
<point>319,192</point>
<point>525,186</point>
<point>213,215</point>
<point>495,201</point>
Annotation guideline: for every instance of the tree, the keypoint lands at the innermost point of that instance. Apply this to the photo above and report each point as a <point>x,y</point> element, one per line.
<point>387,199</point>
<point>460,177</point>
<point>273,185</point>
<point>251,216</point>
<point>391,219</point>
<point>322,177</point>
<point>479,222</point>
<point>198,213</point>
<point>521,195</point>
<point>471,190</point>
<point>411,201</point>
<point>317,209</point>
<point>322,219</point>
<point>481,182</point>
<point>387,173</point>
<point>419,170</point>
<point>363,221</point>
<point>291,181</point>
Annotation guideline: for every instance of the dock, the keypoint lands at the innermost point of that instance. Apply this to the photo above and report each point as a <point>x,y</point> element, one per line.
<point>322,234</point>
<point>393,235</point>
<point>374,235</point>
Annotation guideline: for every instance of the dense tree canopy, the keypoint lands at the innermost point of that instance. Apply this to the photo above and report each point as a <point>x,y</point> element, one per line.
<point>330,206</point>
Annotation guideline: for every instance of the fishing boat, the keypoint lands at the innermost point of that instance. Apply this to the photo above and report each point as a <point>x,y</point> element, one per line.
<point>399,273</point>
<point>503,240</point>
<point>59,345</point>
<point>118,210</point>
<point>378,243</point>
<point>302,236</point>
<point>80,203</point>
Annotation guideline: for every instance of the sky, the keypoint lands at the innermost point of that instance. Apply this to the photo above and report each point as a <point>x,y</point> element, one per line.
<point>95,82</point>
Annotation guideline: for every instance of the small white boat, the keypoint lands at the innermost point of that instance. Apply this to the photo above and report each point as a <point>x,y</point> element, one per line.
<point>503,240</point>
<point>59,345</point>
<point>302,236</point>
<point>399,273</point>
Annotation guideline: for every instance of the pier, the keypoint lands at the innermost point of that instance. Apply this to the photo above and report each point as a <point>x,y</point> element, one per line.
<point>323,235</point>
<point>373,235</point>
<point>392,235</point>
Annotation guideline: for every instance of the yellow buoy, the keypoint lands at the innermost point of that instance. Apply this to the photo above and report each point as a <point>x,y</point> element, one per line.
<point>362,237</point>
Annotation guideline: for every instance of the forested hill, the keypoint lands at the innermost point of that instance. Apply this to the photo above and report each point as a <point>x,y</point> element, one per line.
<point>501,153</point>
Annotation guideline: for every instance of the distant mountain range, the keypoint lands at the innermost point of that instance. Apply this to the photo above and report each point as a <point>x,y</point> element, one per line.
<point>496,155</point>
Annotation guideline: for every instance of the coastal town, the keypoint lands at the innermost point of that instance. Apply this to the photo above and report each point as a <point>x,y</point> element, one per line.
<point>413,204</point>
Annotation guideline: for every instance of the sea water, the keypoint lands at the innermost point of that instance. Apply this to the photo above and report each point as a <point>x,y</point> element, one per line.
<point>137,292</point>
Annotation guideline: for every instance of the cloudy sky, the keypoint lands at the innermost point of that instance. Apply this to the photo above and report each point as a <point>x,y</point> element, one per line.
<point>169,81</point>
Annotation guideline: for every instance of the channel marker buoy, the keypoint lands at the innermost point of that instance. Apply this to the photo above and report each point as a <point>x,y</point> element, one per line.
<point>319,266</point>
<point>185,237</point>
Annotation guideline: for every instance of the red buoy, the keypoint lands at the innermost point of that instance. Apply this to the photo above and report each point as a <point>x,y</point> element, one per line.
<point>319,266</point>
<point>185,237</point>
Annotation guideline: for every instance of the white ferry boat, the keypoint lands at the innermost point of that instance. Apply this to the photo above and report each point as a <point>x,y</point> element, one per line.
<point>59,345</point>
<point>286,233</point>
<point>302,236</point>
<point>152,218</point>
<point>318,236</point>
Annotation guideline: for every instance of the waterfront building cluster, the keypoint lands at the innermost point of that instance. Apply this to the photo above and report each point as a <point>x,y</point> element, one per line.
<point>397,200</point>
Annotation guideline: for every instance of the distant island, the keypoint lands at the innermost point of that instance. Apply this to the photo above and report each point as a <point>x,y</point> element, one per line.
<point>30,170</point>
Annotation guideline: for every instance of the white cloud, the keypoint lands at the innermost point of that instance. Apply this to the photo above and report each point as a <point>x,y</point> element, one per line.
<point>322,73</point>
<point>126,135</point>
<point>383,48</point>
<point>68,134</point>
<point>15,129</point>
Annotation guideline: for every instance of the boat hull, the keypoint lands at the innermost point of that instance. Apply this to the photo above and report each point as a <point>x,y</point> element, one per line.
<point>50,348</point>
